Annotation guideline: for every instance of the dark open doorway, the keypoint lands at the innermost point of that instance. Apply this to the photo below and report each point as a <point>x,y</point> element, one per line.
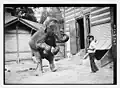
<point>80,30</point>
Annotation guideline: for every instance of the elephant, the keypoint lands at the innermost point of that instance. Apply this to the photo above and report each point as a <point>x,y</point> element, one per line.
<point>43,40</point>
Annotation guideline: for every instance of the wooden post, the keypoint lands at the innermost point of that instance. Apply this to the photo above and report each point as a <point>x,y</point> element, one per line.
<point>85,31</point>
<point>18,59</point>
<point>31,35</point>
<point>87,28</point>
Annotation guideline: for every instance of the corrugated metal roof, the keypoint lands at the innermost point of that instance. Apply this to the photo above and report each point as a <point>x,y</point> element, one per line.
<point>9,19</point>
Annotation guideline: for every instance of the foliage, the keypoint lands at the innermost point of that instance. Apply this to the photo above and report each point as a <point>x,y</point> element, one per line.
<point>32,13</point>
<point>44,12</point>
<point>24,12</point>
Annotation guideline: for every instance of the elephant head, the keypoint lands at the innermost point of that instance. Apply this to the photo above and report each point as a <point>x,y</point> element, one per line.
<point>52,25</point>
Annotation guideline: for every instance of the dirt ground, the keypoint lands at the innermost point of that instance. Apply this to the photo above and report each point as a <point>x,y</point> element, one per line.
<point>69,71</point>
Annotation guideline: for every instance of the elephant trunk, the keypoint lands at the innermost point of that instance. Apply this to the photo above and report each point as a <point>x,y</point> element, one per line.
<point>63,39</point>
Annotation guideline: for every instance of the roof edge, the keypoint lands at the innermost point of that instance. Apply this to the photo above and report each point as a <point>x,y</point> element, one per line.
<point>11,22</point>
<point>29,25</point>
<point>21,20</point>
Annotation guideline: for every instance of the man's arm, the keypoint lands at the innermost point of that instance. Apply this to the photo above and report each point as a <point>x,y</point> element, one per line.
<point>90,49</point>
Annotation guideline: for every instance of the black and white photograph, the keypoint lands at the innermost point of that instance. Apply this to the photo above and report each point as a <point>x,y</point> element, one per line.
<point>60,44</point>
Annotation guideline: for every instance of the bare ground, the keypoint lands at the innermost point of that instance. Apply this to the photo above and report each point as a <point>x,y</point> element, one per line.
<point>73,71</point>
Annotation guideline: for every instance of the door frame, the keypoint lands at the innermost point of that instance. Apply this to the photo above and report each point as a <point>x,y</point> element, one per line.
<point>78,35</point>
<point>86,30</point>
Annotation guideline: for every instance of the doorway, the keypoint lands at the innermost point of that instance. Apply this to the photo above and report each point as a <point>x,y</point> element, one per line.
<point>80,33</point>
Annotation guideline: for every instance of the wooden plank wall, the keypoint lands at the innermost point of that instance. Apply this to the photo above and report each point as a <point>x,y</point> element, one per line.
<point>10,44</point>
<point>24,37</point>
<point>99,20</point>
<point>101,23</point>
<point>70,27</point>
<point>71,13</point>
<point>100,15</point>
<point>14,50</point>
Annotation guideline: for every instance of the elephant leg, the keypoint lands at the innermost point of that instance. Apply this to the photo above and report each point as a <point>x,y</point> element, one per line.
<point>39,66</point>
<point>51,62</point>
<point>39,61</point>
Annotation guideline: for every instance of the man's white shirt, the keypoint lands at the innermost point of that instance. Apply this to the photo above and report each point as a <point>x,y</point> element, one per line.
<point>92,46</point>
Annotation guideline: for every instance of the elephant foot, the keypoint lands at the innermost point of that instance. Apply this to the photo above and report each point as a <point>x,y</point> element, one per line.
<point>54,70</point>
<point>52,67</point>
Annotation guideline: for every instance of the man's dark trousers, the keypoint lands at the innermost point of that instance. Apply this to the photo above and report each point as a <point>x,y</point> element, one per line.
<point>92,62</point>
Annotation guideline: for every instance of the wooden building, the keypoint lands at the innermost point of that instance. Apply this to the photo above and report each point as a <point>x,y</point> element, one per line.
<point>81,21</point>
<point>17,32</point>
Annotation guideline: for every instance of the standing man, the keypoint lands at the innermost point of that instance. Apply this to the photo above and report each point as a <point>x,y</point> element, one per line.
<point>91,50</point>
